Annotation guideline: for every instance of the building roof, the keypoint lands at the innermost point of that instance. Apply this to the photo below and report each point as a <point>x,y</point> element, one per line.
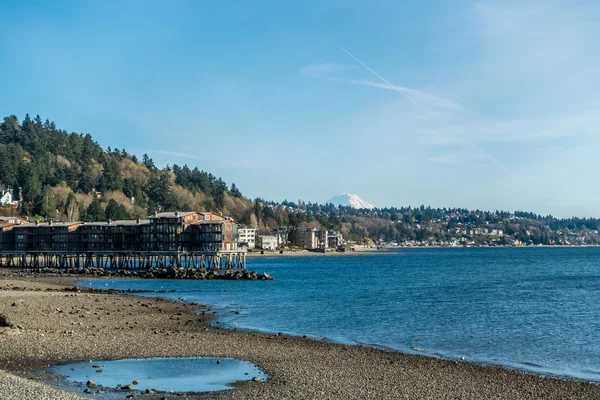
<point>211,221</point>
<point>47,224</point>
<point>173,214</point>
<point>124,222</point>
<point>10,219</point>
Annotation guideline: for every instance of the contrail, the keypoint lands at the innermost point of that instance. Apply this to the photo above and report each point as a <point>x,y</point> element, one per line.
<point>387,82</point>
<point>486,155</point>
<point>492,159</point>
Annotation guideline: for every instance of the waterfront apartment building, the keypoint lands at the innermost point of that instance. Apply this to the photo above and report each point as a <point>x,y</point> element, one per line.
<point>135,235</point>
<point>269,242</point>
<point>47,236</point>
<point>169,229</point>
<point>7,237</point>
<point>334,240</point>
<point>247,236</point>
<point>162,232</point>
<point>214,235</point>
<point>311,238</point>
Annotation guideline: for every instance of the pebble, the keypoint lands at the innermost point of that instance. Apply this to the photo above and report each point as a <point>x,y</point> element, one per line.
<point>301,368</point>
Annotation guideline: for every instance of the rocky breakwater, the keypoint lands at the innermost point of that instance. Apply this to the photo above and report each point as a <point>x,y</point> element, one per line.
<point>156,273</point>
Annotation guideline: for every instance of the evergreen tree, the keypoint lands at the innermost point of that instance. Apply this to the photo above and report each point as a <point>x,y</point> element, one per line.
<point>257,210</point>
<point>115,211</point>
<point>235,192</point>
<point>95,212</point>
<point>147,161</point>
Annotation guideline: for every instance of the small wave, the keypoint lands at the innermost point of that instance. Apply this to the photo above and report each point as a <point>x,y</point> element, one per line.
<point>431,353</point>
<point>530,364</point>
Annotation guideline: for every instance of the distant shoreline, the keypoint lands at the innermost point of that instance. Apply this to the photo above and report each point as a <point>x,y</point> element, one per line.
<point>359,251</point>
<point>308,253</point>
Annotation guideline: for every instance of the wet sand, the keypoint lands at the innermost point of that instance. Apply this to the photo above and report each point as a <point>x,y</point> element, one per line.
<point>60,325</point>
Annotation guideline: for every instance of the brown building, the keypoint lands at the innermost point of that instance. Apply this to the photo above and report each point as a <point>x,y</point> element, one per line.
<point>213,235</point>
<point>230,235</point>
<point>170,230</point>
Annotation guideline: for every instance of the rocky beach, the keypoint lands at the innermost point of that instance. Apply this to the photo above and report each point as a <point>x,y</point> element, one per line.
<point>156,273</point>
<point>48,321</point>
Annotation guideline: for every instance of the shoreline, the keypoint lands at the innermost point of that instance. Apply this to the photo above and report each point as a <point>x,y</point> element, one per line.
<point>308,253</point>
<point>386,250</point>
<point>116,325</point>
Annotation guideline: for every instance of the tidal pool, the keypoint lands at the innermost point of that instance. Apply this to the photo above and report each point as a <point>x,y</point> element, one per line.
<point>196,374</point>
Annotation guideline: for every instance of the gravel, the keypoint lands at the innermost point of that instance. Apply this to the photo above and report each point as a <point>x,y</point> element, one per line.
<point>15,388</point>
<point>60,326</point>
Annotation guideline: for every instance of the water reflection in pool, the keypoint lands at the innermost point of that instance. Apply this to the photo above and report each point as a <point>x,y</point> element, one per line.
<point>162,374</point>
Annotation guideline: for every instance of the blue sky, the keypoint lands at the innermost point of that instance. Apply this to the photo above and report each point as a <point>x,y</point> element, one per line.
<point>477,104</point>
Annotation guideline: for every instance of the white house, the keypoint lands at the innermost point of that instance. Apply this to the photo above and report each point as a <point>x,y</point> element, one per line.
<point>6,198</point>
<point>269,242</point>
<point>247,235</point>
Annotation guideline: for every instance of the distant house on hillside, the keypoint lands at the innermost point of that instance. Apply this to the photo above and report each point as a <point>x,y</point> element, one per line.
<point>12,221</point>
<point>6,198</point>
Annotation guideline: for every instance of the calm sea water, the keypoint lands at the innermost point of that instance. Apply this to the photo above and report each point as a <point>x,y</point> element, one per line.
<point>536,309</point>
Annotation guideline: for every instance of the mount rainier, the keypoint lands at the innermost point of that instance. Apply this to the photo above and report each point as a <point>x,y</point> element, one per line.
<point>352,200</point>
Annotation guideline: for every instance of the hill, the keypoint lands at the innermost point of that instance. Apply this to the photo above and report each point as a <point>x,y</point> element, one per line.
<point>69,176</point>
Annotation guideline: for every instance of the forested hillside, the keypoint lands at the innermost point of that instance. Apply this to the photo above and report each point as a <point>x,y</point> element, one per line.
<point>68,176</point>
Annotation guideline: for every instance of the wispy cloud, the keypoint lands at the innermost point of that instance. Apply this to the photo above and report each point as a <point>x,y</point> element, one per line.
<point>404,93</point>
<point>409,93</point>
<point>420,99</point>
<point>492,159</point>
<point>173,153</point>
<point>416,96</point>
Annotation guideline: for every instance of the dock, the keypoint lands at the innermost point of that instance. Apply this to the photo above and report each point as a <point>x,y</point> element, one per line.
<point>124,259</point>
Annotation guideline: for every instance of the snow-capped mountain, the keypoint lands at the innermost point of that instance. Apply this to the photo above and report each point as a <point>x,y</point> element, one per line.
<point>352,200</point>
